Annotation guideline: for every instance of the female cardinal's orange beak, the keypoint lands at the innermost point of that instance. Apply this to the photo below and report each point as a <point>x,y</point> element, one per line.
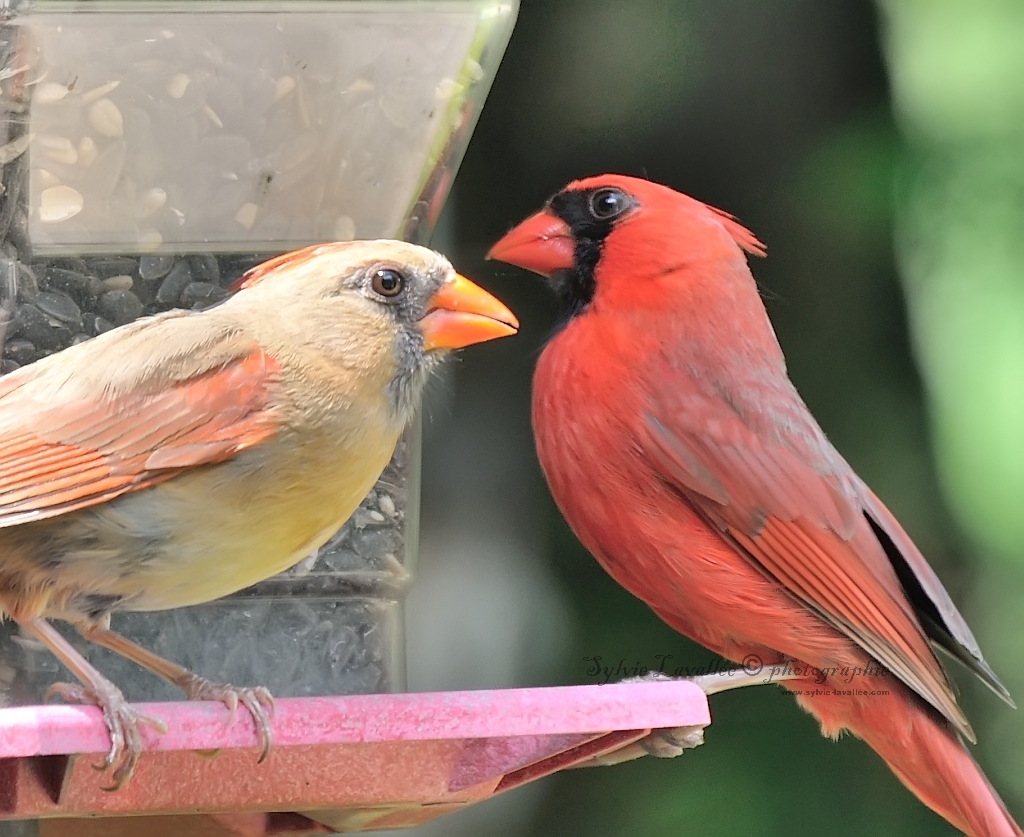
<point>461,313</point>
<point>542,243</point>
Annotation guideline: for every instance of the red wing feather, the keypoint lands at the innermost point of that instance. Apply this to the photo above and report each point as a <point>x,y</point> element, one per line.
<point>771,482</point>
<point>77,454</point>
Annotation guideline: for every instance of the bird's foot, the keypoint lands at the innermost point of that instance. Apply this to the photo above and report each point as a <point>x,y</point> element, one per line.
<point>669,743</point>
<point>662,743</point>
<point>257,700</point>
<point>122,721</point>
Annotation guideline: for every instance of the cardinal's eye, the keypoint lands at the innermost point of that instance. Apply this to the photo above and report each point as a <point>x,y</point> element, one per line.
<point>387,282</point>
<point>608,203</point>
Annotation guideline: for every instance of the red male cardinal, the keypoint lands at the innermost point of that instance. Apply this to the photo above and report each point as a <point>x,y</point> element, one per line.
<point>188,455</point>
<point>683,458</point>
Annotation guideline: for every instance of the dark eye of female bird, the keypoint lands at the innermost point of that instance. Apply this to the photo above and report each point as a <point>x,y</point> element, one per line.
<point>608,203</point>
<point>387,282</point>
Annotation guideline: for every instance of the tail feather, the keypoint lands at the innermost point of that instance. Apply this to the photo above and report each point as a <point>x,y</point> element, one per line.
<point>920,748</point>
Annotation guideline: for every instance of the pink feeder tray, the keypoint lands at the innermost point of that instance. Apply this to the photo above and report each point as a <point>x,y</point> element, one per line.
<point>338,763</point>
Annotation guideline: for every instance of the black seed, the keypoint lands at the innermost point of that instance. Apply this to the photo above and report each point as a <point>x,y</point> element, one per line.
<point>28,285</point>
<point>61,336</point>
<point>119,307</point>
<point>155,267</point>
<point>32,324</point>
<point>21,351</point>
<point>81,288</point>
<point>113,266</point>
<point>174,284</point>
<point>73,263</point>
<point>146,291</point>
<point>238,263</point>
<point>79,338</point>
<point>201,294</point>
<point>97,325</point>
<point>18,233</point>
<point>7,365</point>
<point>60,307</point>
<point>205,268</point>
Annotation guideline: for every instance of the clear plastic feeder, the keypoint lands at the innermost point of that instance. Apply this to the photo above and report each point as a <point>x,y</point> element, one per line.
<point>153,150</point>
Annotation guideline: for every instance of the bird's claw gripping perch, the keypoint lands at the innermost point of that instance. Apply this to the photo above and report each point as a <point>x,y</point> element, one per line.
<point>660,743</point>
<point>122,721</point>
<point>670,743</point>
<point>257,700</point>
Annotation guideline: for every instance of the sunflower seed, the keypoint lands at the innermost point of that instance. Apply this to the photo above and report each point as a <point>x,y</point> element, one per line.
<point>106,119</point>
<point>19,350</point>
<point>87,152</point>
<point>100,92</point>
<point>49,92</point>
<point>174,283</point>
<point>177,85</point>
<point>118,283</point>
<point>201,295</point>
<point>60,307</point>
<point>59,203</point>
<point>119,306</point>
<point>155,267</point>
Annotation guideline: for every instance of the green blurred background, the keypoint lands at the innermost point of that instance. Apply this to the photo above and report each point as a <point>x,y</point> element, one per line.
<point>878,150</point>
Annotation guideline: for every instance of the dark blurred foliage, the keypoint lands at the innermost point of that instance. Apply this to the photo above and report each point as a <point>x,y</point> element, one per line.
<point>779,113</point>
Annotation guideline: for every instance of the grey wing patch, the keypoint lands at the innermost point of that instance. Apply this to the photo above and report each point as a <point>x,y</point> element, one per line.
<point>680,463</point>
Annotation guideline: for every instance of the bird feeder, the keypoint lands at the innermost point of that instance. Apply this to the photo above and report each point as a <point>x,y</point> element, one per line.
<point>151,152</point>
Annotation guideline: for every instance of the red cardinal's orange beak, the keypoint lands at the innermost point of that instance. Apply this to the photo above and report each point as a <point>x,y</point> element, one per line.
<point>542,243</point>
<point>461,313</point>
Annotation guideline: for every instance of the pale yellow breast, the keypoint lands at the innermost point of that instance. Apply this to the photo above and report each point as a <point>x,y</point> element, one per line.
<point>244,523</point>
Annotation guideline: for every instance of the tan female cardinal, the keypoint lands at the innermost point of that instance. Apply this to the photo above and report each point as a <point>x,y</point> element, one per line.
<point>683,458</point>
<point>185,456</point>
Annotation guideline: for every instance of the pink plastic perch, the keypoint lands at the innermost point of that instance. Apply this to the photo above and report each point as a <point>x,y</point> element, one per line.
<point>358,763</point>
